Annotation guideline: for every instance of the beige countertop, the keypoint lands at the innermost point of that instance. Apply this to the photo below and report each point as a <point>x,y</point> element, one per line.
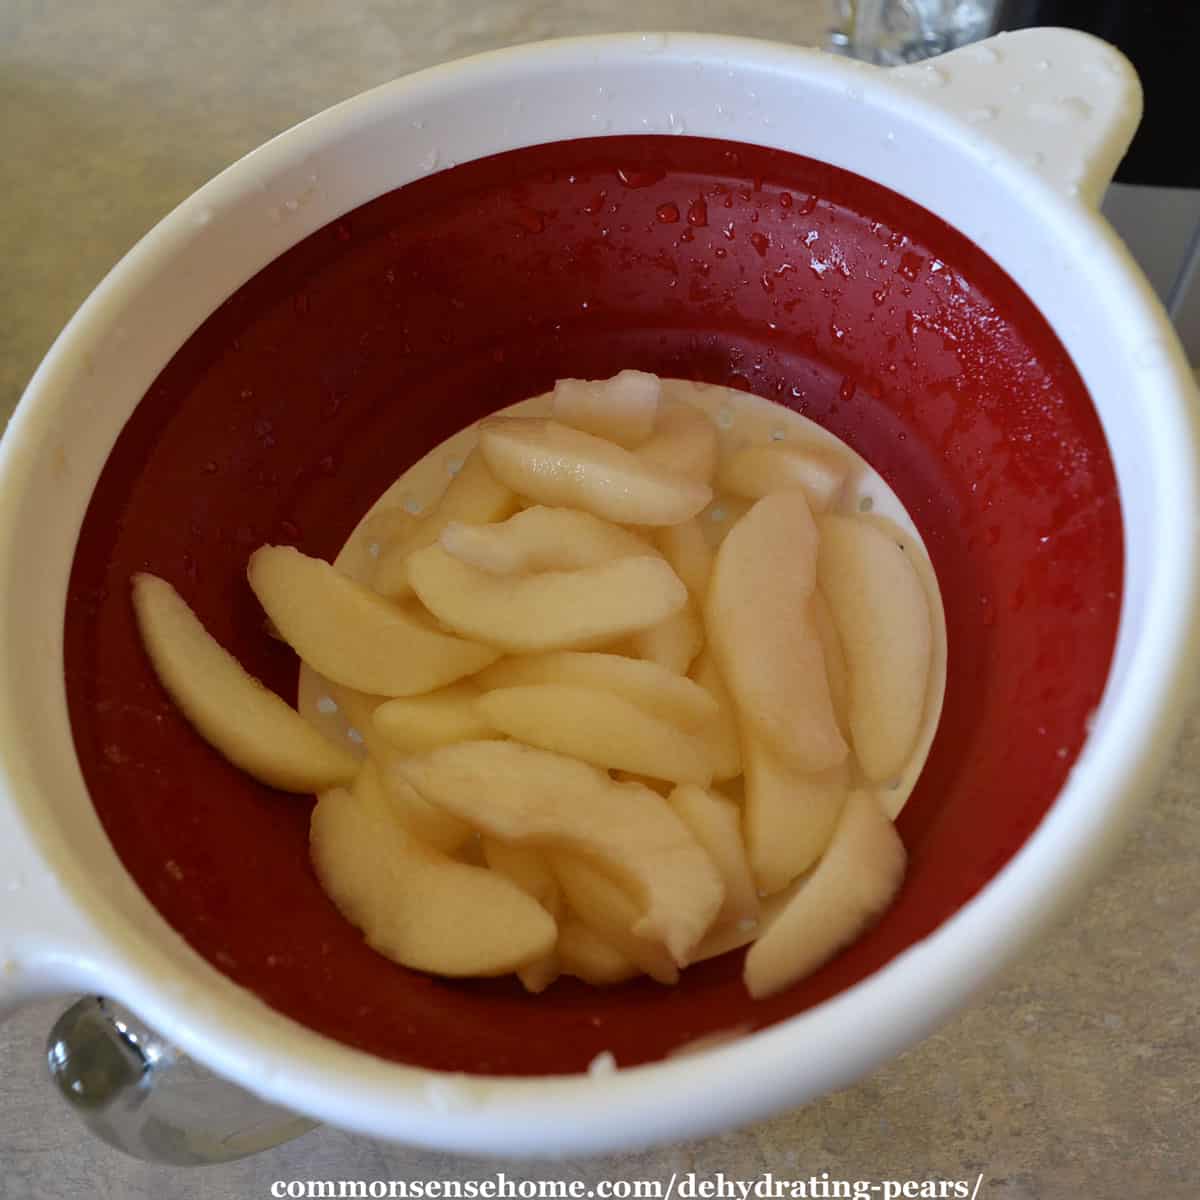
<point>1078,1077</point>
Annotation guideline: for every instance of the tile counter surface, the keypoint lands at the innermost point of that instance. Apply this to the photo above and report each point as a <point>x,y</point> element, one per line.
<point>1078,1077</point>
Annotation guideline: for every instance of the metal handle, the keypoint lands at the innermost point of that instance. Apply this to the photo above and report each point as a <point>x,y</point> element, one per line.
<point>145,1097</point>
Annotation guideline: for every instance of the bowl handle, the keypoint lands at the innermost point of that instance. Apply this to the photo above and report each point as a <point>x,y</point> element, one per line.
<point>1063,102</point>
<point>140,1094</point>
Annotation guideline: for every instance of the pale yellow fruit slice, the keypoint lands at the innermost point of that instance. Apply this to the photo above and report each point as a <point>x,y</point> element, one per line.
<point>416,906</point>
<point>684,442</point>
<point>835,660</point>
<point>789,816</point>
<point>415,723</point>
<point>761,631</point>
<point>717,825</point>
<point>542,539</point>
<point>240,718</point>
<point>756,471</point>
<point>472,497</point>
<point>598,727</point>
<point>554,610</point>
<point>554,464</point>
<point>691,557</point>
<point>732,935</point>
<point>611,913</point>
<point>587,956</point>
<point>720,734</point>
<point>378,787</point>
<point>850,887</point>
<point>879,607</point>
<point>352,636</point>
<point>621,409</point>
<point>522,794</point>
<point>674,643</point>
<point>661,693</point>
<point>530,871</point>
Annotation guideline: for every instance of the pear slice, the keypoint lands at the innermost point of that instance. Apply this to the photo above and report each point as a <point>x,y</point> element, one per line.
<point>789,816</point>
<point>673,643</point>
<point>684,442</point>
<point>660,692</point>
<point>851,886</point>
<point>231,710</point>
<point>717,825</point>
<point>761,630</point>
<point>554,610</point>
<point>554,464</point>
<point>720,734</point>
<point>416,906</point>
<point>472,497</point>
<point>542,539</point>
<point>725,936</point>
<point>522,794</point>
<point>530,871</point>
<point>611,913</point>
<point>756,471</point>
<point>597,727</point>
<point>414,723</point>
<point>621,409</point>
<point>584,954</point>
<point>691,557</point>
<point>352,636</point>
<point>880,609</point>
<point>380,788</point>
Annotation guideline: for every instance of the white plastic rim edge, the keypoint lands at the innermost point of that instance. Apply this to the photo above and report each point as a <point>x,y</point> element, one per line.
<point>840,1040</point>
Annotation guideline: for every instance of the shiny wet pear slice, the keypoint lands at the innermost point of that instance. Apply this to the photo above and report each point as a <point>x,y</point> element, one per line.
<point>554,464</point>
<point>621,409</point>
<point>352,636</point>
<point>239,717</point>
<point>522,794</point>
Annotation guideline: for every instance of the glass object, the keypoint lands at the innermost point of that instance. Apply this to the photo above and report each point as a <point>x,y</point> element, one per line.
<point>889,32</point>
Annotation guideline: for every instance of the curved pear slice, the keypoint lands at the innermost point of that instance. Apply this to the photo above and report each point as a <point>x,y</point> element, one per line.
<point>716,824</point>
<point>789,815</point>
<point>377,787</point>
<point>352,636</point>
<point>231,710</point>
<point>416,906</point>
<point>761,630</point>
<point>660,692</point>
<point>556,610</point>
<point>542,539</point>
<point>691,557</point>
<point>674,643</point>
<point>597,727</point>
<point>684,442</point>
<point>757,471</point>
<point>554,464</point>
<point>415,723</point>
<point>720,734</point>
<point>608,910</point>
<point>521,794</point>
<point>472,497</point>
<point>587,956</point>
<point>879,607</point>
<point>851,886</point>
<point>530,871</point>
<point>621,409</point>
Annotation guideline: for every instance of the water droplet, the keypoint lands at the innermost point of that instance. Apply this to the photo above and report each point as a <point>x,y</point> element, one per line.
<point>1042,64</point>
<point>292,205</point>
<point>654,43</point>
<point>761,243</point>
<point>353,735</point>
<point>889,140</point>
<point>866,504</point>
<point>667,214</point>
<point>717,512</point>
<point>453,466</point>
<point>982,114</point>
<point>675,123</point>
<point>697,213</point>
<point>429,160</point>
<point>817,267</point>
<point>725,417</point>
<point>854,94</point>
<point>778,434</point>
<point>414,506</point>
<point>202,216</point>
<point>639,177</point>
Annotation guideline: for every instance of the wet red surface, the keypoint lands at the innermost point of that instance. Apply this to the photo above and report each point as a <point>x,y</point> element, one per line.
<point>296,404</point>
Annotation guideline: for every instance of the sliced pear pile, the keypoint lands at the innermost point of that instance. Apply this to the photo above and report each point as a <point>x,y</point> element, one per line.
<point>614,704</point>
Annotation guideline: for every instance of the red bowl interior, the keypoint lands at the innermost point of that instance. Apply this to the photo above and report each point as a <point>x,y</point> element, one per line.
<point>311,388</point>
